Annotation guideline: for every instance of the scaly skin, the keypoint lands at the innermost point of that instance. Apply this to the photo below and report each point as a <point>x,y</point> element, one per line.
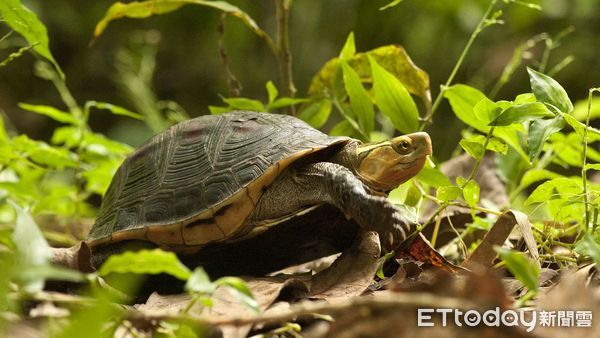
<point>342,184</point>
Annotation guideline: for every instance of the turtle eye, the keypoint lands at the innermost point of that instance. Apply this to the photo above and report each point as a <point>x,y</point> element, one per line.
<point>403,147</point>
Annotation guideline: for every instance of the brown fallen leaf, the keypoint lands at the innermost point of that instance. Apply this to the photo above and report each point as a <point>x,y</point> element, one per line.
<point>420,249</point>
<point>485,254</point>
<point>397,316</point>
<point>570,294</point>
<point>352,273</point>
<point>225,305</point>
<point>527,233</point>
<point>24,329</point>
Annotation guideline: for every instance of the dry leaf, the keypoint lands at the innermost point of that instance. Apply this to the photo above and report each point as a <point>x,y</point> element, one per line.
<point>485,254</point>
<point>352,273</point>
<point>570,294</point>
<point>225,305</point>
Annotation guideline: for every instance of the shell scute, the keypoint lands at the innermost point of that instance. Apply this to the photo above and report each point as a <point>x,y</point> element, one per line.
<point>195,168</point>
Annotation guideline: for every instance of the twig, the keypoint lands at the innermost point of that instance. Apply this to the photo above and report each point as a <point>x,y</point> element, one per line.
<point>55,297</point>
<point>480,26</point>
<point>309,309</point>
<point>235,87</point>
<point>284,54</point>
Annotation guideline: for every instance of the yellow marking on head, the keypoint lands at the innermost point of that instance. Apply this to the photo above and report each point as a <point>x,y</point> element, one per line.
<point>386,165</point>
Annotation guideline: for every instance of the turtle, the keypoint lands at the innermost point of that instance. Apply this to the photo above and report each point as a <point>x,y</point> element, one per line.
<point>224,180</point>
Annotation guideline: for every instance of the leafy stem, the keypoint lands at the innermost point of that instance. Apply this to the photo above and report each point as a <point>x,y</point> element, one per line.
<point>483,23</point>
<point>442,205</point>
<point>48,73</point>
<point>550,44</point>
<point>478,160</point>
<point>347,117</point>
<point>584,155</point>
<point>45,71</point>
<point>16,54</point>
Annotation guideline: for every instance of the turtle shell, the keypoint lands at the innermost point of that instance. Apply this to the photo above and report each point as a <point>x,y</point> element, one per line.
<point>198,181</point>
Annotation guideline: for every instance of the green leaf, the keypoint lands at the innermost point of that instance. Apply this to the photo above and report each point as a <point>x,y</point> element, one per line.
<point>550,92</point>
<point>510,135</point>
<point>343,128</point>
<point>486,110</point>
<point>593,134</point>
<point>216,110</point>
<point>569,149</point>
<point>393,99</point>
<point>520,113</point>
<point>589,247</point>
<point>539,132</point>
<point>525,98</point>
<point>434,177</point>
<point>50,272</point>
<point>378,136</point>
<point>144,9</point>
<point>580,111</point>
<point>272,91</point>
<point>101,145</point>
<point>44,154</point>
<point>390,5</point>
<point>359,99</point>
<point>521,267</point>
<point>471,193</point>
<point>536,175</point>
<point>234,283</point>
<point>349,48</point>
<point>393,58</point>
<point>560,187</point>
<point>200,282</point>
<point>113,109</point>
<point>317,113</point>
<point>137,10</point>
<point>463,100</point>
<point>285,102</point>
<point>474,145</point>
<point>243,103</point>
<point>69,136</point>
<point>51,112</point>
<point>32,247</point>
<point>3,134</point>
<point>98,178</point>
<point>594,166</point>
<point>146,262</point>
<point>475,149</point>
<point>23,21</point>
<point>448,193</point>
<point>58,158</point>
<point>240,290</point>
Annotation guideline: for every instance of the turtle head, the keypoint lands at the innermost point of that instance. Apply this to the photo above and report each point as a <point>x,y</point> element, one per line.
<point>385,165</point>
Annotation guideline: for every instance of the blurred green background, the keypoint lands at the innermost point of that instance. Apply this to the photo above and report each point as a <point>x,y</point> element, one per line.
<point>188,69</point>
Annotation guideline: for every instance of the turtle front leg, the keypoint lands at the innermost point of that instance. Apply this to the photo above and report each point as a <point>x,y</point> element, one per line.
<point>371,212</point>
<point>326,182</point>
